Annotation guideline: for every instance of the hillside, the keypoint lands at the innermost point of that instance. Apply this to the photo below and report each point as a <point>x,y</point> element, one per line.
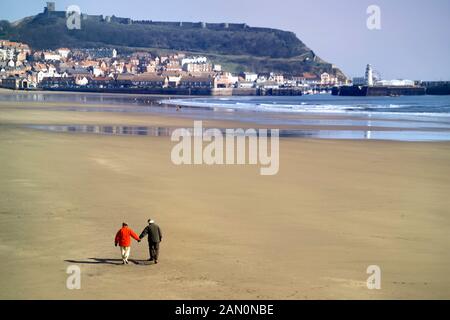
<point>235,45</point>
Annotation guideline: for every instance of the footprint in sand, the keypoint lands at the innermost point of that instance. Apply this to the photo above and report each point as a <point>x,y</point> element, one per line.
<point>110,164</point>
<point>348,282</point>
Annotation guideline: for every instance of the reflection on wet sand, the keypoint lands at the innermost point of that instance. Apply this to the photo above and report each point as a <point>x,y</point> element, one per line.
<point>155,131</point>
<point>108,130</point>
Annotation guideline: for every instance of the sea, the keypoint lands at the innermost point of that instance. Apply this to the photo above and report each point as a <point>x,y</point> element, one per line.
<point>404,118</point>
<point>323,116</point>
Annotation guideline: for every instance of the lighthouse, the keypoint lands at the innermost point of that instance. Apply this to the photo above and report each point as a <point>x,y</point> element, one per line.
<point>369,75</point>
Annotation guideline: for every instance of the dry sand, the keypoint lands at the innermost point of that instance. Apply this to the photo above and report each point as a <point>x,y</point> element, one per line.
<point>309,232</point>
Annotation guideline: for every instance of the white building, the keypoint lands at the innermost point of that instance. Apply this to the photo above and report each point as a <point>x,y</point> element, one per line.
<point>198,67</point>
<point>395,83</point>
<point>250,77</point>
<point>277,77</point>
<point>64,52</point>
<point>81,81</point>
<point>97,72</point>
<point>247,84</point>
<point>197,60</point>
<point>3,54</point>
<point>50,56</point>
<point>10,54</point>
<point>369,75</point>
<point>327,79</point>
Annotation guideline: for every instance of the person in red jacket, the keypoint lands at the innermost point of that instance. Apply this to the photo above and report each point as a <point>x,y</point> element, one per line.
<point>123,239</point>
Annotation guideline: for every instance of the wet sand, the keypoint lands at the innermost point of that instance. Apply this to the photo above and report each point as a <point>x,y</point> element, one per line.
<point>309,232</point>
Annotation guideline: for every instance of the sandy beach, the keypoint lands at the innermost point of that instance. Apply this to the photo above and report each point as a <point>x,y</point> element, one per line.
<point>309,232</point>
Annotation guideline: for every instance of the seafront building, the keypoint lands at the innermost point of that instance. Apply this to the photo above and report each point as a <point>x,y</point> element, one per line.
<point>105,68</point>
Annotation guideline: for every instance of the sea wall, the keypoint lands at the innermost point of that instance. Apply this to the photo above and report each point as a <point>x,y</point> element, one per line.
<point>187,91</point>
<point>437,87</point>
<point>378,91</point>
<point>162,91</point>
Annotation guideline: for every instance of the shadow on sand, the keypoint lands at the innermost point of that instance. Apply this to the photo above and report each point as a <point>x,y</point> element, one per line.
<point>108,261</point>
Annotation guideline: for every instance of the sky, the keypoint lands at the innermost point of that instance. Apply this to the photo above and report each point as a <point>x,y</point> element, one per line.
<point>413,42</point>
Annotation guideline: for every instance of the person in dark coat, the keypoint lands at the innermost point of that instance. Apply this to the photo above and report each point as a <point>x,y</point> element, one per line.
<point>153,231</point>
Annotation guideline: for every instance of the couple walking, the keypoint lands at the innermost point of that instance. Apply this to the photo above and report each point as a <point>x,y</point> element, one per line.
<point>124,235</point>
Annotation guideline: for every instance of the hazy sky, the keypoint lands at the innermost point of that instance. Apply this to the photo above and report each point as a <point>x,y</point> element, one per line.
<point>413,41</point>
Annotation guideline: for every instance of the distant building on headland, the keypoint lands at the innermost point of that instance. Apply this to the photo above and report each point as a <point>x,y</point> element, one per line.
<point>51,7</point>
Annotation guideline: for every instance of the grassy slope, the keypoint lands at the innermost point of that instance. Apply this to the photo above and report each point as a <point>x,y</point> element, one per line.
<point>252,49</point>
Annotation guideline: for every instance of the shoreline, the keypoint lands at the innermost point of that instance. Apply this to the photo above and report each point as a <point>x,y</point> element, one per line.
<point>60,109</point>
<point>191,91</point>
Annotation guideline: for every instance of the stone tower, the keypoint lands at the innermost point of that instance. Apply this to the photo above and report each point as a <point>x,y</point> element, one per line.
<point>51,7</point>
